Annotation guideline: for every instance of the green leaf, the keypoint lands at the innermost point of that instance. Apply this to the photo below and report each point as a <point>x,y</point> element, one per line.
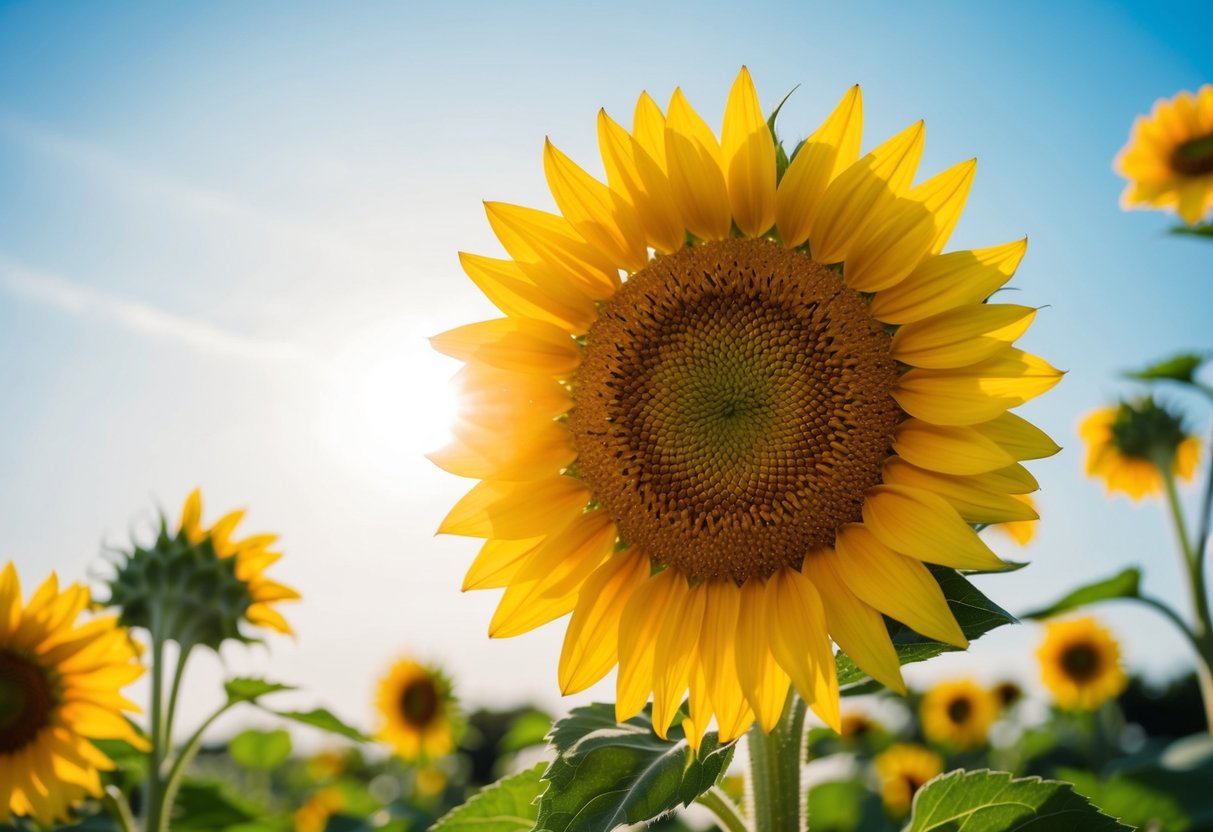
<point>506,806</point>
<point>607,774</point>
<point>1204,229</point>
<point>249,689</point>
<point>260,750</point>
<point>1181,367</point>
<point>206,806</point>
<point>975,613</point>
<point>990,801</point>
<point>529,729</point>
<point>1124,584</point>
<point>325,721</point>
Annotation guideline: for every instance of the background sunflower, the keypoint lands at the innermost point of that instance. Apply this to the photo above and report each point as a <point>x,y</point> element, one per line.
<point>1080,663</point>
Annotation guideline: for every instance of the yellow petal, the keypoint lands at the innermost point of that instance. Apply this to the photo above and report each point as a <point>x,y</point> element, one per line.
<point>1019,437</point>
<point>512,290</point>
<point>831,149</point>
<point>976,393</point>
<point>944,196</point>
<point>859,630</point>
<point>978,499</point>
<point>490,398</point>
<point>763,682</point>
<point>191,514</point>
<point>718,659</point>
<point>677,646</point>
<point>604,219</point>
<point>748,152</point>
<point>565,559</point>
<point>521,610</point>
<point>896,585</point>
<point>520,344</point>
<point>509,454</point>
<point>513,511</point>
<point>498,562</point>
<point>800,642</point>
<point>547,246</point>
<point>631,170</point>
<point>648,126</point>
<point>961,336</point>
<point>861,190</point>
<point>925,526</point>
<point>696,172</point>
<point>892,242</point>
<point>954,449</point>
<point>638,630</point>
<point>10,600</point>
<point>265,616</point>
<point>945,281</point>
<point>591,643</point>
<point>699,706</point>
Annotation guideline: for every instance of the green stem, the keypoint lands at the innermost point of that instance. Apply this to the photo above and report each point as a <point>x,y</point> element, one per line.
<point>173,781</point>
<point>723,807</point>
<point>115,801</point>
<point>777,803</point>
<point>175,690</point>
<point>1202,631</point>
<point>152,807</point>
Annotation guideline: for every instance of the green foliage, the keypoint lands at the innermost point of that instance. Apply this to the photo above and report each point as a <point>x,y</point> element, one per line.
<point>325,720</point>
<point>207,806</point>
<point>1203,229</point>
<point>529,729</point>
<point>249,689</point>
<point>1180,367</point>
<point>607,774</point>
<point>844,806</point>
<point>508,805</point>
<point>1124,584</point>
<point>990,801</point>
<point>976,614</point>
<point>260,750</point>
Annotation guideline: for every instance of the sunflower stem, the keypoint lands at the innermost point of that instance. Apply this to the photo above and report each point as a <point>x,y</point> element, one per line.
<point>722,806</point>
<point>1202,631</point>
<point>173,781</point>
<point>120,810</point>
<point>152,811</point>
<point>777,803</point>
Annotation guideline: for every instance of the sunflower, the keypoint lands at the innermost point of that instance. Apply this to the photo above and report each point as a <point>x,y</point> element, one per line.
<point>1080,664</point>
<point>253,556</point>
<point>314,815</point>
<point>855,725</point>
<point>697,431</point>
<point>958,713</point>
<point>903,769</point>
<point>1169,158</point>
<point>60,688</point>
<point>1008,693</point>
<point>1127,444</point>
<point>417,712</point>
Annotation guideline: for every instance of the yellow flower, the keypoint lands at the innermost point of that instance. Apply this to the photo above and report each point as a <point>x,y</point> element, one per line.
<point>313,816</point>
<point>1123,446</point>
<point>1169,158</point>
<point>958,713</point>
<point>417,712</point>
<point>694,431</point>
<point>253,557</point>
<point>1080,664</point>
<point>60,688</point>
<point>1008,694</point>
<point>856,725</point>
<point>903,769</point>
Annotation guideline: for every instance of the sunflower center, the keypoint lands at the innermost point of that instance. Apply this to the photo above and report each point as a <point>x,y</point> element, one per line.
<point>1080,662</point>
<point>1194,157</point>
<point>959,711</point>
<point>26,701</point>
<point>419,702</point>
<point>733,405</point>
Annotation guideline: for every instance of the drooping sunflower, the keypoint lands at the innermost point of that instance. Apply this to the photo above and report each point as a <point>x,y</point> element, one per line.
<point>60,688</point>
<point>903,769</point>
<point>733,406</point>
<point>417,712</point>
<point>1080,664</point>
<point>1169,157</point>
<point>1126,445</point>
<point>958,713</point>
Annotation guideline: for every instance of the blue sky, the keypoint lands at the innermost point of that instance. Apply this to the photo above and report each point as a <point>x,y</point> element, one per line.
<point>225,230</point>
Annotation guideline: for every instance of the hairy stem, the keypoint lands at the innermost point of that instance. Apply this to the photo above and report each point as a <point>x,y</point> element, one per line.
<point>777,801</point>
<point>722,806</point>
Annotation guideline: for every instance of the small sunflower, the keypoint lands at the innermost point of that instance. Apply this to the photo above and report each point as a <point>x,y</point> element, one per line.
<point>856,725</point>
<point>314,815</point>
<point>1169,158</point>
<point>1080,664</point>
<point>60,688</point>
<point>733,407</point>
<point>958,714</point>
<point>903,769</point>
<point>1127,444</point>
<point>1008,693</point>
<point>417,712</point>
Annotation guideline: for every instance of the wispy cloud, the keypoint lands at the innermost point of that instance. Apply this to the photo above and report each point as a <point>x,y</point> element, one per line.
<point>140,318</point>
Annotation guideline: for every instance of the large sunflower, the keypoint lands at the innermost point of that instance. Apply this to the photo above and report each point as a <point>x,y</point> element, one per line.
<point>60,688</point>
<point>958,713</point>
<point>416,711</point>
<point>733,407</point>
<point>1127,443</point>
<point>1080,664</point>
<point>1169,157</point>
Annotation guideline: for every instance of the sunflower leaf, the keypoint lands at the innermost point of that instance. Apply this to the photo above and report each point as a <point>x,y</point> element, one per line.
<point>975,613</point>
<point>607,774</point>
<point>250,689</point>
<point>1180,367</point>
<point>509,805</point>
<point>992,800</point>
<point>1124,584</point>
<point>324,720</point>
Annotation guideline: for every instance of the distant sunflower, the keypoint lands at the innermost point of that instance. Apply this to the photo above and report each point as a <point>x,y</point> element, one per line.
<point>695,432</point>
<point>958,714</point>
<point>60,688</point>
<point>253,557</point>
<point>1127,443</point>
<point>903,769</point>
<point>417,712</point>
<point>1080,664</point>
<point>314,815</point>
<point>856,725</point>
<point>1008,693</point>
<point>1169,158</point>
